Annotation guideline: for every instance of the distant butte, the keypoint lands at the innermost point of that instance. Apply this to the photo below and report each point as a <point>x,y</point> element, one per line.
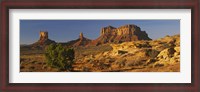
<point>109,34</point>
<point>43,40</point>
<point>121,34</point>
<point>82,41</point>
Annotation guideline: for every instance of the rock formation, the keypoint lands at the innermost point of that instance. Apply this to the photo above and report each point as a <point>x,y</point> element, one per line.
<point>124,33</point>
<point>43,37</point>
<point>81,41</point>
<point>81,36</point>
<point>143,56</point>
<point>109,34</point>
<point>43,40</point>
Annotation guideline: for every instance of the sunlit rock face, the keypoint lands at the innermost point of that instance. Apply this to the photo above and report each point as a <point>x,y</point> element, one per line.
<point>121,34</point>
<point>43,40</point>
<point>43,36</point>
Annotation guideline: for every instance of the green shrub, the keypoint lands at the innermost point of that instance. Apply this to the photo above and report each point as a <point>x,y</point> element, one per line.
<point>70,57</point>
<point>57,56</point>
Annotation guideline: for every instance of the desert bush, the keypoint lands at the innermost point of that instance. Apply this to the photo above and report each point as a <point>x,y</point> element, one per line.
<point>152,53</point>
<point>59,57</point>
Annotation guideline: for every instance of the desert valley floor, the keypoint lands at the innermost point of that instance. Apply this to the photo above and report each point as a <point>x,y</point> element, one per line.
<point>160,55</point>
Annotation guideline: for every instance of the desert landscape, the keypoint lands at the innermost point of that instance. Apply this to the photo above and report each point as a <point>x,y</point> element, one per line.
<point>123,49</point>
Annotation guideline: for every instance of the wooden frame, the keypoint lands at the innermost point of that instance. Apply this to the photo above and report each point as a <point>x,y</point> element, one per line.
<point>89,4</point>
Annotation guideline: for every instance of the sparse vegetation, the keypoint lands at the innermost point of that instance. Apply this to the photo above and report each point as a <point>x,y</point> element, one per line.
<point>57,56</point>
<point>161,55</point>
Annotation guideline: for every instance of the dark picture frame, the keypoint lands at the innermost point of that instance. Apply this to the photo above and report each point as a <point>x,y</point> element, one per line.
<point>100,4</point>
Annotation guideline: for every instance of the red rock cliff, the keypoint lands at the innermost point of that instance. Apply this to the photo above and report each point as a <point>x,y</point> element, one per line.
<point>124,33</point>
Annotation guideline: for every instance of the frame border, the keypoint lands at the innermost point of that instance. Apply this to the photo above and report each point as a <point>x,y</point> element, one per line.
<point>89,4</point>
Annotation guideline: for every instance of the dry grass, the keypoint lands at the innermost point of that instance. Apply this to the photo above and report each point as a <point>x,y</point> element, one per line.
<point>34,63</point>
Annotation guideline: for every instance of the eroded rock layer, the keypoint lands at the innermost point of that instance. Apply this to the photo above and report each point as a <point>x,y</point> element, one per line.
<point>124,33</point>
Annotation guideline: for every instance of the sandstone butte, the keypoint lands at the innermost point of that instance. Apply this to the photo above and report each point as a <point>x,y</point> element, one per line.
<point>109,34</point>
<point>121,34</point>
<point>43,40</point>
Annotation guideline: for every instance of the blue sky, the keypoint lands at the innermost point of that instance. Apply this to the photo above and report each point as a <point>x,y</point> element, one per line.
<point>66,30</point>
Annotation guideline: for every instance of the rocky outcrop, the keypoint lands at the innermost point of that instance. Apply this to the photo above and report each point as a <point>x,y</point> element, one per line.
<point>43,36</point>
<point>43,40</point>
<point>81,41</point>
<point>81,37</point>
<point>108,35</point>
<point>156,55</point>
<point>125,33</point>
